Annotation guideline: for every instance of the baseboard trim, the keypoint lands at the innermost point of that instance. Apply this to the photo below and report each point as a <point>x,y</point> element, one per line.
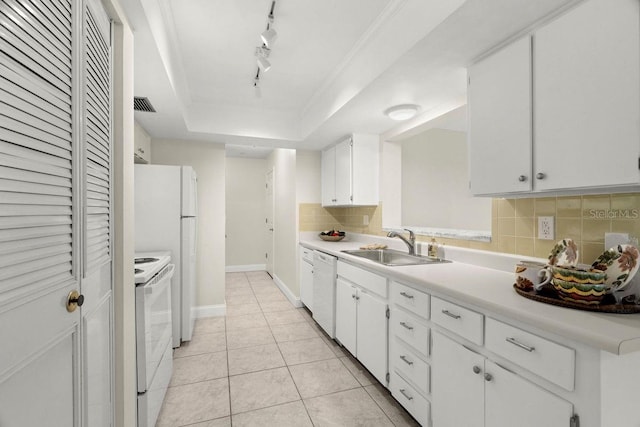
<point>216,310</point>
<point>287,292</point>
<point>247,267</point>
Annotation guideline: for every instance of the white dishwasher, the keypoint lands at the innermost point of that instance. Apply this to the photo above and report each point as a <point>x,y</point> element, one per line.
<point>324,291</point>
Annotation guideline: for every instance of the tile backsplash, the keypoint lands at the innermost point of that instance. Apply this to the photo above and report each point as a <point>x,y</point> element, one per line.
<point>313,217</point>
<point>514,223</point>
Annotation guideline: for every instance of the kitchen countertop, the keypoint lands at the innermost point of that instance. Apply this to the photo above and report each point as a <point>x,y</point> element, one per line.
<point>492,290</point>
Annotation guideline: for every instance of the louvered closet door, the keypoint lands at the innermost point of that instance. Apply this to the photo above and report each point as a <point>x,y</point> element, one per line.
<point>96,280</point>
<point>39,360</point>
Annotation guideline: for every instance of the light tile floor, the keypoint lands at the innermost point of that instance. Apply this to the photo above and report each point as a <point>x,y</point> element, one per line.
<point>269,364</point>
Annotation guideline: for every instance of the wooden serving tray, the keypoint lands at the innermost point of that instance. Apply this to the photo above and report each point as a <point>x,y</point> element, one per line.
<point>608,304</point>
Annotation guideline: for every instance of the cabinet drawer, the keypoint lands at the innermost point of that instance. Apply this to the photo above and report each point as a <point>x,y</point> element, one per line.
<point>464,322</point>
<point>410,399</point>
<point>407,362</point>
<point>363,278</point>
<point>408,328</point>
<point>411,299</point>
<point>551,361</point>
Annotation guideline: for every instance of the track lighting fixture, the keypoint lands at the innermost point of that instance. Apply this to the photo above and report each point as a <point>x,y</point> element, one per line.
<point>268,37</point>
<point>263,53</point>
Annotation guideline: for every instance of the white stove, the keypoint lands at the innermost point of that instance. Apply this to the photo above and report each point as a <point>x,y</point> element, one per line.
<point>153,274</point>
<point>148,264</point>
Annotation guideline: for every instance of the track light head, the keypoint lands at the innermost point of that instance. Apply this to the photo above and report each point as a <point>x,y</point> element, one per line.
<point>269,36</point>
<point>264,64</point>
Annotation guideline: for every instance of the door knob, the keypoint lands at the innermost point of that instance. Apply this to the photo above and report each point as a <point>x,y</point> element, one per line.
<point>74,300</point>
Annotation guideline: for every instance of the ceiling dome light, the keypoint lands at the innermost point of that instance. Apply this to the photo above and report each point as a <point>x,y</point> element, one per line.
<point>269,36</point>
<point>402,112</point>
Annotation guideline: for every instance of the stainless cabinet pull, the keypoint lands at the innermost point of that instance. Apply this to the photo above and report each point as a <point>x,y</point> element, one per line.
<point>450,314</point>
<point>406,326</point>
<point>406,295</point>
<point>540,175</point>
<point>353,296</point>
<point>405,360</point>
<point>488,377</point>
<point>476,369</point>
<point>522,178</point>
<point>519,344</point>
<point>404,393</point>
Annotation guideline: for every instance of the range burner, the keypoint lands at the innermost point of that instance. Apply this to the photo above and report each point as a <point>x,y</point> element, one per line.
<point>145,260</point>
<point>137,270</point>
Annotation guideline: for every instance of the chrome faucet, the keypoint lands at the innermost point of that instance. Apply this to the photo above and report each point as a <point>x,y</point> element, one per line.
<point>411,242</point>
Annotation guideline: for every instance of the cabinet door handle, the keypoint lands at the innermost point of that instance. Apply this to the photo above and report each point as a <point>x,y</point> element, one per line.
<point>406,295</point>
<point>488,377</point>
<point>405,360</point>
<point>405,394</point>
<point>404,325</point>
<point>353,296</point>
<point>519,344</point>
<point>540,175</point>
<point>476,369</point>
<point>450,314</point>
<point>522,178</point>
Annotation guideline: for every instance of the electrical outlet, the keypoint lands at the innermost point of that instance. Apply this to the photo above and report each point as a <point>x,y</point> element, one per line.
<point>365,219</point>
<point>546,229</point>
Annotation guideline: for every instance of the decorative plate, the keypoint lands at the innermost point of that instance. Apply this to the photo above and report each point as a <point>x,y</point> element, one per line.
<point>620,263</point>
<point>564,253</point>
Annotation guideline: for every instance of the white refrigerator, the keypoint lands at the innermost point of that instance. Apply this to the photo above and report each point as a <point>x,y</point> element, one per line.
<point>166,219</point>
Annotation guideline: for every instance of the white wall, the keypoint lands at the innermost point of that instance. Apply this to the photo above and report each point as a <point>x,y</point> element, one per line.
<point>208,160</point>
<point>285,213</point>
<point>435,183</point>
<point>308,178</point>
<point>245,212</point>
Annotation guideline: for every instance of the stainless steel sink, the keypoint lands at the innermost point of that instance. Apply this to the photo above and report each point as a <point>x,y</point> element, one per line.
<point>392,257</point>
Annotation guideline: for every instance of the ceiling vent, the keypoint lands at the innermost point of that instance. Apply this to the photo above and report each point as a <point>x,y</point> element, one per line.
<point>142,104</point>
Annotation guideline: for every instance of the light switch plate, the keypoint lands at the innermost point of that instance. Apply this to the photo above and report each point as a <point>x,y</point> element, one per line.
<point>546,228</point>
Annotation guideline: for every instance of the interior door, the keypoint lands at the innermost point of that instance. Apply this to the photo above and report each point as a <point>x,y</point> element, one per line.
<point>269,232</point>
<point>97,318</point>
<point>55,215</point>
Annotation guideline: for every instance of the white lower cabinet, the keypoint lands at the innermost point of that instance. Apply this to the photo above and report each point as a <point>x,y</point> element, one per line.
<point>361,324</point>
<point>472,391</point>
<point>410,399</point>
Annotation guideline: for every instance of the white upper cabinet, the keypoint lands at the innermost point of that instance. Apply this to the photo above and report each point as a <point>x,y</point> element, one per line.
<point>500,121</point>
<point>559,110</point>
<point>587,97</point>
<point>350,172</point>
<point>328,174</point>
<point>142,145</point>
